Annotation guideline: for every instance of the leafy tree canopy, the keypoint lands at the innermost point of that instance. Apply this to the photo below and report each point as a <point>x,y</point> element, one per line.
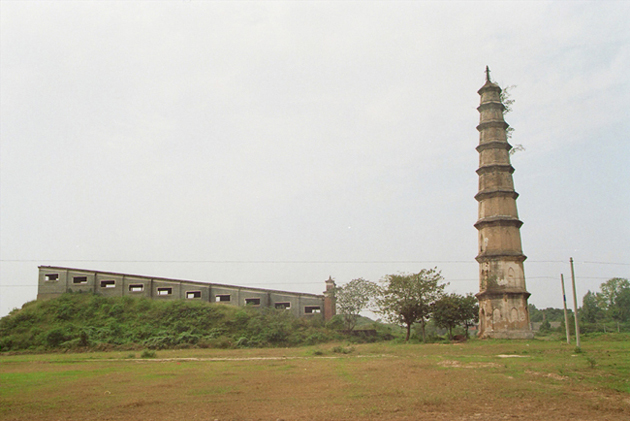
<point>353,298</point>
<point>453,310</point>
<point>591,312</point>
<point>408,298</point>
<point>613,298</point>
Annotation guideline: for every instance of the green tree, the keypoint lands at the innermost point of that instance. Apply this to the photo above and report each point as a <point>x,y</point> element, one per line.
<point>552,314</point>
<point>446,312</point>
<point>608,299</point>
<point>353,298</point>
<point>469,311</point>
<point>623,305</point>
<point>591,312</point>
<point>407,298</point>
<point>545,327</point>
<point>535,315</point>
<point>456,310</point>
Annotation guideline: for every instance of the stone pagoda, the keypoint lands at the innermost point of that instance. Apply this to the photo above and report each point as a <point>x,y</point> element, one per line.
<point>502,294</point>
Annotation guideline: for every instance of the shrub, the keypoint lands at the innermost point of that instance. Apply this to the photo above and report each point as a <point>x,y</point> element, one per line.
<point>314,338</point>
<point>222,342</point>
<point>187,338</point>
<point>147,353</point>
<point>160,342</point>
<point>55,337</point>
<point>341,350</point>
<point>84,337</point>
<point>6,343</point>
<point>336,323</point>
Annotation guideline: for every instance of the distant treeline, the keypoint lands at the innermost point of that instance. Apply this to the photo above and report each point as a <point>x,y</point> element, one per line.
<point>606,310</point>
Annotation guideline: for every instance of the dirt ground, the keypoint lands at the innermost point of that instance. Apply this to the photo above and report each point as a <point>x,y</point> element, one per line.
<point>368,383</point>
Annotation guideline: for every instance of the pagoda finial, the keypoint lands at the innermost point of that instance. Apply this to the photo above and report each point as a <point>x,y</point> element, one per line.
<point>487,74</point>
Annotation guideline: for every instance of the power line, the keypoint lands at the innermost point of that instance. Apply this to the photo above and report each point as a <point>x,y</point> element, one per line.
<point>606,263</point>
<point>233,261</point>
<point>289,261</point>
<point>318,282</point>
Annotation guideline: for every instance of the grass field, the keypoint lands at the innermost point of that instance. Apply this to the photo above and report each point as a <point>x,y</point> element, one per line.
<point>478,380</point>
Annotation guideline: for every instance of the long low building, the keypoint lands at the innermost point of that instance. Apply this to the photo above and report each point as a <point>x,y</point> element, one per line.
<point>54,281</point>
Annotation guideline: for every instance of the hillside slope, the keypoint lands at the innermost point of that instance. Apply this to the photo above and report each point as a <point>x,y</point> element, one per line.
<point>87,321</point>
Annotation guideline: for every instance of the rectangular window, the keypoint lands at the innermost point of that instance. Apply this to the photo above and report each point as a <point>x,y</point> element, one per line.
<point>50,277</point>
<point>193,294</point>
<point>79,280</point>
<point>312,309</point>
<point>223,298</point>
<point>110,283</point>
<point>164,291</point>
<point>136,287</point>
<point>252,301</point>
<point>283,306</point>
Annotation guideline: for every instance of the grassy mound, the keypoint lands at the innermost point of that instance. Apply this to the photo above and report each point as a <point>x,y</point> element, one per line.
<point>92,322</point>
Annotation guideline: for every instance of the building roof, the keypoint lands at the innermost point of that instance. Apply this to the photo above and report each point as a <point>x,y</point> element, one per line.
<point>157,278</point>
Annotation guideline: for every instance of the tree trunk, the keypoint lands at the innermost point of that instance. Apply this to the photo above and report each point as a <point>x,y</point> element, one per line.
<point>408,333</point>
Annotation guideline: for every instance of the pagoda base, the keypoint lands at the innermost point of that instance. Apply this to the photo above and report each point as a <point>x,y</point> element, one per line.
<point>507,334</point>
<point>504,315</point>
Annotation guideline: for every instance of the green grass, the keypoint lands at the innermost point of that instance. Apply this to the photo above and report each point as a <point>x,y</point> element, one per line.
<point>376,381</point>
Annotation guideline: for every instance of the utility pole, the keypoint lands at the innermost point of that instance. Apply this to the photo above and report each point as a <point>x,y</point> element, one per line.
<point>566,314</point>
<point>575,307</point>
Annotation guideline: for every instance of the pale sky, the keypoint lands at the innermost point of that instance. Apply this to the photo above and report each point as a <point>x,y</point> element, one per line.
<point>275,144</point>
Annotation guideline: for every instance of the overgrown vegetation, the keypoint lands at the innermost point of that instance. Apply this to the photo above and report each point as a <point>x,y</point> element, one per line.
<point>92,322</point>
<point>81,321</point>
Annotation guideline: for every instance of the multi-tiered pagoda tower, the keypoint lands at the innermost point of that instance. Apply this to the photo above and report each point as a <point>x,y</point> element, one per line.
<point>502,295</point>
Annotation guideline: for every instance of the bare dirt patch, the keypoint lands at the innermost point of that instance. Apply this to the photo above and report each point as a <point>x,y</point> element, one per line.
<point>511,356</point>
<point>548,375</point>
<point>459,364</point>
